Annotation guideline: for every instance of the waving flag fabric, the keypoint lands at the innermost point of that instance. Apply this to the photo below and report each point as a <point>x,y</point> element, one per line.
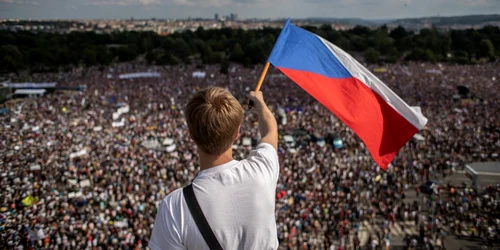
<point>382,120</point>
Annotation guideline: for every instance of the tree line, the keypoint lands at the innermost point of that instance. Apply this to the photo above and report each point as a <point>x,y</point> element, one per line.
<point>40,52</point>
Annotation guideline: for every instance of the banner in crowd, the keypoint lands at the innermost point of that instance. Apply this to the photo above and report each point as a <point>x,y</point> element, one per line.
<point>139,75</point>
<point>31,85</point>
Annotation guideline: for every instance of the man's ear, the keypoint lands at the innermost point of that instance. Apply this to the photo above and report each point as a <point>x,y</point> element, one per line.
<point>237,134</point>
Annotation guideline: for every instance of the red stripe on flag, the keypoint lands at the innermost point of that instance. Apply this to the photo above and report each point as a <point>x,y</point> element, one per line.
<point>382,129</point>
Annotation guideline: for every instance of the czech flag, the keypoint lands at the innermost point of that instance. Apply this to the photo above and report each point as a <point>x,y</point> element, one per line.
<point>382,120</point>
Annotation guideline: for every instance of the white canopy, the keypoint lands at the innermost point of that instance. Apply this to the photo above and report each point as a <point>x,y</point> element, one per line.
<point>199,74</point>
<point>30,91</point>
<point>31,85</point>
<point>85,183</point>
<point>139,75</point>
<point>35,167</point>
<point>288,138</point>
<point>121,123</point>
<point>247,141</point>
<point>150,144</point>
<point>171,148</point>
<point>419,137</point>
<point>168,141</point>
<point>78,154</point>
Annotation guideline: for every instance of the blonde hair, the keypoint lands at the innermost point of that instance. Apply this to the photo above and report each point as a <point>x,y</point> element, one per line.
<point>213,117</point>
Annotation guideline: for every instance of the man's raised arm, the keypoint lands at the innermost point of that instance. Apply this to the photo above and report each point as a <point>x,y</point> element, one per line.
<point>267,123</point>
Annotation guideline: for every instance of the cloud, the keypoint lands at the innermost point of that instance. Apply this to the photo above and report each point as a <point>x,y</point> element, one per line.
<point>478,2</point>
<point>193,3</point>
<point>203,3</point>
<point>20,2</point>
<point>123,2</point>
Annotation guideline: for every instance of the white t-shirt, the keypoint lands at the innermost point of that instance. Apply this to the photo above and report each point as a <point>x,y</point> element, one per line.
<point>237,199</point>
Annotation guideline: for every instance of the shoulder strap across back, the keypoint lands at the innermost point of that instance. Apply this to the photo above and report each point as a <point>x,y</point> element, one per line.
<point>199,218</point>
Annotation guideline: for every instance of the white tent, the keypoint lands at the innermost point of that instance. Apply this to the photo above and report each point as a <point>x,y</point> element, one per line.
<point>31,85</point>
<point>419,137</point>
<point>139,75</point>
<point>310,170</point>
<point>120,111</point>
<point>121,123</point>
<point>30,92</point>
<point>85,183</point>
<point>171,148</point>
<point>124,109</point>
<point>121,224</point>
<point>168,141</point>
<point>78,154</point>
<point>247,141</point>
<point>151,144</point>
<point>35,167</point>
<point>288,139</point>
<point>199,74</point>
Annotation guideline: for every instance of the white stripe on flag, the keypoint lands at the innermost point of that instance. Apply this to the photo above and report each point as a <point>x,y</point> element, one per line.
<point>364,75</point>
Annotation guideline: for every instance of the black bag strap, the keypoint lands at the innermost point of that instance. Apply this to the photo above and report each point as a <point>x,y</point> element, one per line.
<point>199,218</point>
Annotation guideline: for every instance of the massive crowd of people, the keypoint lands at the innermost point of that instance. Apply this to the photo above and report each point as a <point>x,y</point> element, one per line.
<point>86,169</point>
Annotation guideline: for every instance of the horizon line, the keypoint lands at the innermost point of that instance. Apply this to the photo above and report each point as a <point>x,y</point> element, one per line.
<point>245,19</point>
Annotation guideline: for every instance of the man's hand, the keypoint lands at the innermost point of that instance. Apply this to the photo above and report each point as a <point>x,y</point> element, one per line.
<point>267,123</point>
<point>257,98</point>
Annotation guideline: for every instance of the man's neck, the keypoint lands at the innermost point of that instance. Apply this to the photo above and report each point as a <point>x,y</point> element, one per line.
<point>209,161</point>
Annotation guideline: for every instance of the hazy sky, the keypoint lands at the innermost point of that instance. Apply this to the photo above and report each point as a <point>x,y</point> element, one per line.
<point>367,9</point>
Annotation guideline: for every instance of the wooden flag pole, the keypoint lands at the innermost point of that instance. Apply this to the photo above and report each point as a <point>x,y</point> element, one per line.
<point>261,80</point>
<point>262,76</point>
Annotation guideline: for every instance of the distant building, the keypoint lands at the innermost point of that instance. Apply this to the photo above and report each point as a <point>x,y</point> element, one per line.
<point>233,16</point>
<point>216,17</point>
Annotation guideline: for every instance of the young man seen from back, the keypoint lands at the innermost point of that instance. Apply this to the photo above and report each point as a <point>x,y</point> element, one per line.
<point>236,197</point>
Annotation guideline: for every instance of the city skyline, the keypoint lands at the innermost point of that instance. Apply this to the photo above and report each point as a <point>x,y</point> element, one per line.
<point>180,9</point>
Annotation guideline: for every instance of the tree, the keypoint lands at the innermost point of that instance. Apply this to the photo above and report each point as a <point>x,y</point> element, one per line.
<point>127,53</point>
<point>103,56</point>
<point>486,49</point>
<point>361,31</point>
<point>371,55</point>
<point>255,52</point>
<point>151,57</point>
<point>429,56</point>
<point>237,53</point>
<point>11,58</point>
<point>181,49</point>
<point>89,57</point>
<point>63,57</point>
<point>417,54</point>
<point>461,57</point>
<point>343,43</point>
<point>398,33</point>
<point>168,59</point>
<point>247,62</point>
<point>224,66</point>
<point>359,43</point>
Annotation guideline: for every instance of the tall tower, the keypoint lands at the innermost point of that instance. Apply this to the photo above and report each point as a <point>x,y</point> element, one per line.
<point>233,16</point>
